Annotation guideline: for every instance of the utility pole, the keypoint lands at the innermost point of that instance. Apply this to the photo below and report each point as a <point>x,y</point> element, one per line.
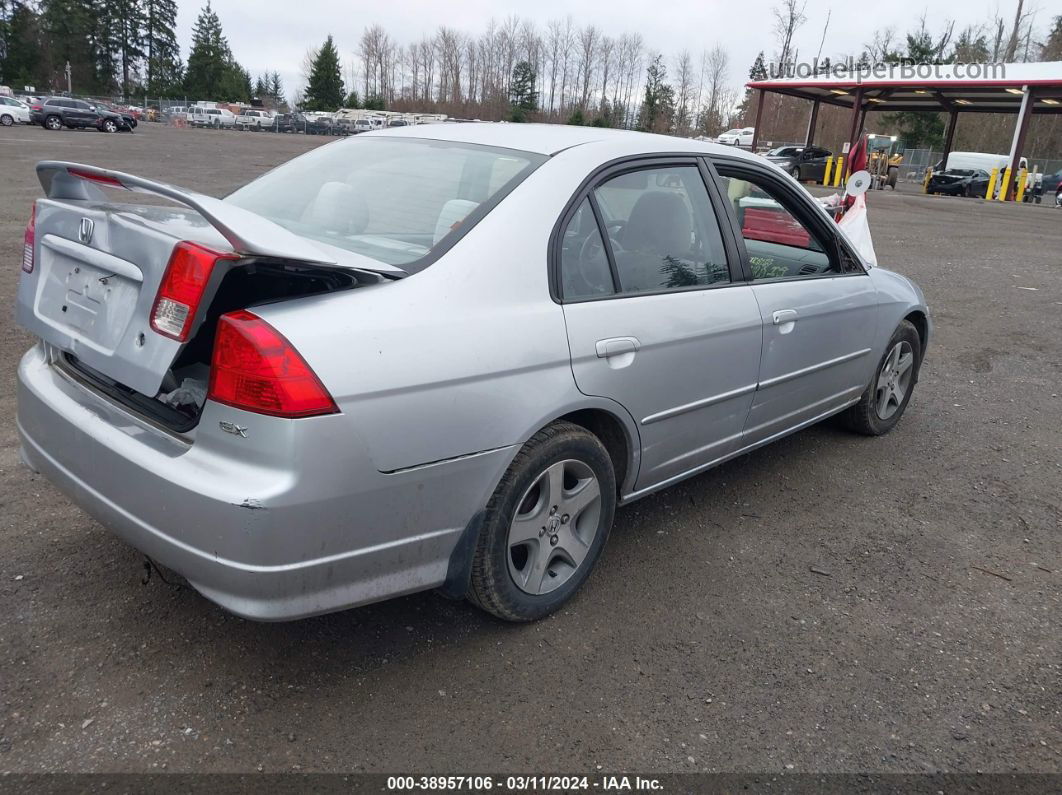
<point>67,70</point>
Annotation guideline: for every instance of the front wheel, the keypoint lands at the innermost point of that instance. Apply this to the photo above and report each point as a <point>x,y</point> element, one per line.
<point>545,525</point>
<point>109,126</point>
<point>794,172</point>
<point>887,395</point>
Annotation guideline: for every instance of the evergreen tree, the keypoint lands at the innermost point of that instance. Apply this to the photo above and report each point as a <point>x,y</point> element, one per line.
<point>124,21</point>
<point>68,35</point>
<point>758,71</point>
<point>276,89</point>
<point>261,87</point>
<point>1051,50</point>
<point>523,98</point>
<point>658,106</point>
<point>352,100</point>
<point>374,102</point>
<point>577,119</point>
<point>325,90</point>
<point>20,45</point>
<point>209,74</point>
<point>161,52</point>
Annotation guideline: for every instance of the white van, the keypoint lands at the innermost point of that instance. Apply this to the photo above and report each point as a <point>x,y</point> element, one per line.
<point>976,160</point>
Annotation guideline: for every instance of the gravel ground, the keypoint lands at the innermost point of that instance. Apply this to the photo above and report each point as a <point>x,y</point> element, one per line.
<point>831,603</point>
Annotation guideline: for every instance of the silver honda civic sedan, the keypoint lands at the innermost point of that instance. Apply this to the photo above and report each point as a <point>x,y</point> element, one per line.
<point>436,356</point>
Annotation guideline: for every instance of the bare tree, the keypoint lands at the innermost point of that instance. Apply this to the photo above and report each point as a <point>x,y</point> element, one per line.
<point>713,118</point>
<point>589,41</point>
<point>683,91</point>
<point>881,47</point>
<point>787,18</point>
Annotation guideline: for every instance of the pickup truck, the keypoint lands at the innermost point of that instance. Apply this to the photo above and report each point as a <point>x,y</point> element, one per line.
<point>211,117</point>
<point>252,119</point>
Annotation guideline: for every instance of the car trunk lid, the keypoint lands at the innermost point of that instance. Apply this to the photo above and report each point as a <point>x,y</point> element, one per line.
<point>96,268</point>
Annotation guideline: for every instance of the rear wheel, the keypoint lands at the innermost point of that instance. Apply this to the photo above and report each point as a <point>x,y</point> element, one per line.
<point>7,120</point>
<point>53,122</point>
<point>545,525</point>
<point>886,397</point>
<point>795,172</point>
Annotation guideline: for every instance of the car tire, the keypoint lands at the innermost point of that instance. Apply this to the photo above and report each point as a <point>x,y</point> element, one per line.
<point>7,120</point>
<point>794,172</point>
<point>53,123</point>
<point>109,126</point>
<point>543,517</point>
<point>889,391</point>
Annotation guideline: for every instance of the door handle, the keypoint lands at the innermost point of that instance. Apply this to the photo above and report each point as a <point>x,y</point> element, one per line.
<point>783,316</point>
<point>616,346</point>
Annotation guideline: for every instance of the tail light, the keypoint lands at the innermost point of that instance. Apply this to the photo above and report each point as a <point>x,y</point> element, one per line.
<point>255,368</point>
<point>182,288</point>
<point>27,240</point>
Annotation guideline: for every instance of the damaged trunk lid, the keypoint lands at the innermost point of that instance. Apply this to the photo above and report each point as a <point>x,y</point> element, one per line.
<point>92,272</point>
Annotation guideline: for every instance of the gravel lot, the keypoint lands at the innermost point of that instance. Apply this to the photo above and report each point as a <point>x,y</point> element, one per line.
<point>930,637</point>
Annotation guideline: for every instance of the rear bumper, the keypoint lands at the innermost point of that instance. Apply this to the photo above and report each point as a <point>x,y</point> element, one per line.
<point>296,527</point>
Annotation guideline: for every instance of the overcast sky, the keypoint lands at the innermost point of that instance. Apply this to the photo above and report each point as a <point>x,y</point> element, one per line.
<point>275,34</point>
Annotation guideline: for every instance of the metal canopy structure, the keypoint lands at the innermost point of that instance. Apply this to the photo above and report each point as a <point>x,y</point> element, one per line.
<point>1024,89</point>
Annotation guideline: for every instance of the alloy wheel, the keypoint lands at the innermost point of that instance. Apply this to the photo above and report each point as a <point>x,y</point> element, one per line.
<point>53,123</point>
<point>556,522</point>
<point>7,120</point>
<point>894,380</point>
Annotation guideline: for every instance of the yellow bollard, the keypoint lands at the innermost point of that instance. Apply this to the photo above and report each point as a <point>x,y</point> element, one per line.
<point>925,182</point>
<point>991,192</point>
<point>826,173</point>
<point>1004,182</point>
<point>838,172</point>
<point>1023,178</point>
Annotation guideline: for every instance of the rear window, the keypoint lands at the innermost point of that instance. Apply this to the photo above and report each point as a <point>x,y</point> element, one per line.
<point>394,200</point>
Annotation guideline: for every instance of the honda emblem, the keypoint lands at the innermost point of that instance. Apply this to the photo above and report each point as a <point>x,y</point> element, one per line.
<point>84,232</point>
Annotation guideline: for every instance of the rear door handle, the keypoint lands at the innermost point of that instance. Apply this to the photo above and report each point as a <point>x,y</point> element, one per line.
<point>782,316</point>
<point>615,346</point>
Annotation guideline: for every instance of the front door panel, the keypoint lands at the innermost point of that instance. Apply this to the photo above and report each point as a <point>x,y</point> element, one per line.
<point>817,340</point>
<point>689,383</point>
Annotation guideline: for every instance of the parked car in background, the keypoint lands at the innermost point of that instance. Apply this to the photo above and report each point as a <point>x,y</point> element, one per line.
<point>736,137</point>
<point>969,182</point>
<point>288,123</point>
<point>253,119</point>
<point>1052,188</point>
<point>13,112</point>
<point>305,400</point>
<point>323,124</point>
<point>802,163</point>
<point>127,120</point>
<point>54,113</point>
<point>216,118</point>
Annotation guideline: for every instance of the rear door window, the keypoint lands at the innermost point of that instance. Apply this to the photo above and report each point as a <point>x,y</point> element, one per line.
<point>662,231</point>
<point>585,270</point>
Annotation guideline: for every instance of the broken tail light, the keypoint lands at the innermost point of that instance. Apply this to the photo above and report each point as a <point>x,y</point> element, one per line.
<point>27,240</point>
<point>183,285</point>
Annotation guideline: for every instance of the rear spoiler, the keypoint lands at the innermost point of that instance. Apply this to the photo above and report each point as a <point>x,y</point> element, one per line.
<point>248,234</point>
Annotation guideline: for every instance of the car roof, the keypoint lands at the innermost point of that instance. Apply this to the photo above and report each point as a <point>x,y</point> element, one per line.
<point>549,139</point>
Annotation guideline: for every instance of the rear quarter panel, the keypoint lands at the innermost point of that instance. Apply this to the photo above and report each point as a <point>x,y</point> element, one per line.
<point>469,355</point>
